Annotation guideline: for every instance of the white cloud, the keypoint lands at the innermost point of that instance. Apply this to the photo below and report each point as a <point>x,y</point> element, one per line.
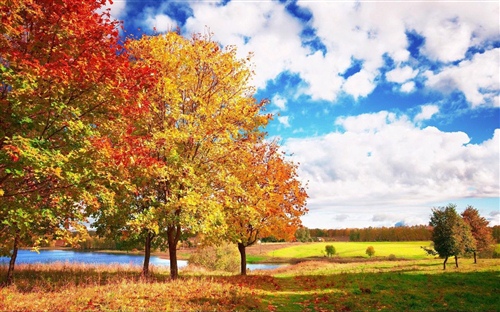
<point>264,28</point>
<point>364,31</point>
<point>401,74</point>
<point>160,22</point>
<point>477,78</point>
<point>408,87</point>
<point>360,84</point>
<point>382,160</point>
<point>117,9</point>
<point>280,102</point>
<point>284,120</point>
<point>427,112</point>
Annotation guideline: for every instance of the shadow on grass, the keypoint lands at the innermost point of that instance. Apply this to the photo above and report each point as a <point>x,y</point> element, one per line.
<point>471,291</point>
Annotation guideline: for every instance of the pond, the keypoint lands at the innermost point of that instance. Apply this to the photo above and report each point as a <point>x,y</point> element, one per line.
<point>50,256</point>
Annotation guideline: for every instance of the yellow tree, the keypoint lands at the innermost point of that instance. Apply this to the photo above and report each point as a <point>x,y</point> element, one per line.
<point>267,197</point>
<point>178,137</point>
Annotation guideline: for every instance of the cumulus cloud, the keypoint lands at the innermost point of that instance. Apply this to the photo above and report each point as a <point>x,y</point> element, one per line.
<point>427,111</point>
<point>284,120</point>
<point>117,9</point>
<point>261,27</point>
<point>368,32</point>
<point>477,78</point>
<point>280,102</point>
<point>401,74</point>
<point>383,159</point>
<point>408,87</point>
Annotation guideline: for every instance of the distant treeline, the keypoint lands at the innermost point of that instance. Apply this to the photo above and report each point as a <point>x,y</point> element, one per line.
<point>382,234</point>
<point>496,233</point>
<point>372,234</point>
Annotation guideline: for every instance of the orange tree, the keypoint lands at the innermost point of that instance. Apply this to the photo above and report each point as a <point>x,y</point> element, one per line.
<point>58,65</point>
<point>267,200</point>
<point>177,139</point>
<point>480,230</point>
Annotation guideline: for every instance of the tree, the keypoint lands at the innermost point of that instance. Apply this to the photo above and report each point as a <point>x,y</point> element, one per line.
<point>176,138</point>
<point>330,250</point>
<point>303,235</point>
<point>58,66</point>
<point>370,251</point>
<point>480,231</point>
<point>263,197</point>
<point>451,235</point>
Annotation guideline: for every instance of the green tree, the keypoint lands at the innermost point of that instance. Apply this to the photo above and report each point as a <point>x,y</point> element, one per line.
<point>451,235</point>
<point>370,251</point>
<point>480,230</point>
<point>303,235</point>
<point>330,250</point>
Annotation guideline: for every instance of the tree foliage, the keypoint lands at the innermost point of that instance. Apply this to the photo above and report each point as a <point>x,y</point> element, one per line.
<point>480,231</point>
<point>330,250</point>
<point>370,251</point>
<point>265,198</point>
<point>58,66</point>
<point>451,235</point>
<point>177,139</point>
<point>155,139</point>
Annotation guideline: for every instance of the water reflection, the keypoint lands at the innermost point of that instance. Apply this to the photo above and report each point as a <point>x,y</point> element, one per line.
<point>50,256</point>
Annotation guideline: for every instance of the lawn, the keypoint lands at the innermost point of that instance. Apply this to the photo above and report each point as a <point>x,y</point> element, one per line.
<point>406,250</point>
<point>413,285</point>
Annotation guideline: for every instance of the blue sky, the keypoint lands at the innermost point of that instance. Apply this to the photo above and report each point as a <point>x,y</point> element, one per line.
<point>391,108</point>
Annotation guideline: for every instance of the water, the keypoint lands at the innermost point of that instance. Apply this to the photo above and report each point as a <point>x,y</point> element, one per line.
<point>50,256</point>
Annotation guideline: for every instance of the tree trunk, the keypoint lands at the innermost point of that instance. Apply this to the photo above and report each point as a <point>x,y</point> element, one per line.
<point>173,235</point>
<point>444,263</point>
<point>12,262</point>
<point>147,255</point>
<point>243,257</point>
<point>475,258</point>
<point>456,261</point>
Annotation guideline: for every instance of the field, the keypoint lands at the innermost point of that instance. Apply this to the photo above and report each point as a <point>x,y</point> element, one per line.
<point>407,250</point>
<point>314,285</point>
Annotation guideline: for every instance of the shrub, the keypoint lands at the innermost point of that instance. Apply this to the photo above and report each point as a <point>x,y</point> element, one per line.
<point>217,258</point>
<point>392,257</point>
<point>370,251</point>
<point>330,250</point>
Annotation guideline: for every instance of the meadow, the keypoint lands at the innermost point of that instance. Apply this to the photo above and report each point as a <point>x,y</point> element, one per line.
<point>406,250</point>
<point>378,284</point>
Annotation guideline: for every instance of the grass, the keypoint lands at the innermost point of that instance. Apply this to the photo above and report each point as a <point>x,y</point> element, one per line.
<point>413,285</point>
<point>407,250</point>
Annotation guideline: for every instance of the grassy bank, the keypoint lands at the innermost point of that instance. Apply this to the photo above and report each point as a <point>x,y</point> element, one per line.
<point>314,286</point>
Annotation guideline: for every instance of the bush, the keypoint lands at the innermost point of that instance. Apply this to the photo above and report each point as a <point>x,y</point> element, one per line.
<point>217,258</point>
<point>392,257</point>
<point>370,251</point>
<point>330,250</point>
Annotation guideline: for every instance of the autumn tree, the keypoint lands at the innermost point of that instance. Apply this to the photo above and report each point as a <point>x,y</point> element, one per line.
<point>175,139</point>
<point>58,64</point>
<point>480,231</point>
<point>451,235</point>
<point>268,198</point>
<point>370,251</point>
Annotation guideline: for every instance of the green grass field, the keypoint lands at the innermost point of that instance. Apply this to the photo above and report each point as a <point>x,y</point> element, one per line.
<point>407,250</point>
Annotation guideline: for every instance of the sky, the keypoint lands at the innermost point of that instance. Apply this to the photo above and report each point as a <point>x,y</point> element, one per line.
<point>390,108</point>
